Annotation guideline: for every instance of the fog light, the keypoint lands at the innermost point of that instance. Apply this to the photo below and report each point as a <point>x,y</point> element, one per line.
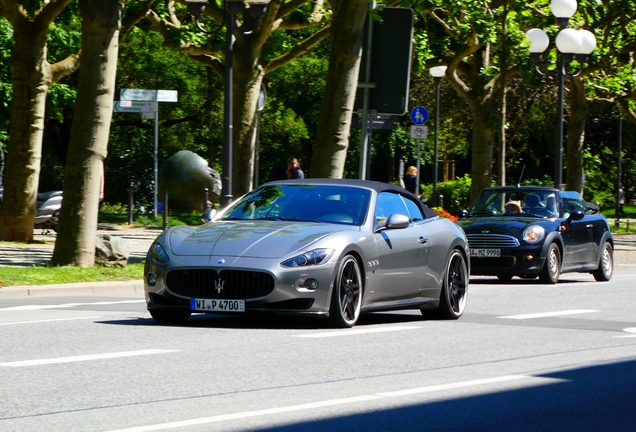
<point>312,284</point>
<point>151,279</point>
<point>528,258</point>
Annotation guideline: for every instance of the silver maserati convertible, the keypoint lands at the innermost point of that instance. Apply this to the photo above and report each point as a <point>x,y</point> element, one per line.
<point>324,247</point>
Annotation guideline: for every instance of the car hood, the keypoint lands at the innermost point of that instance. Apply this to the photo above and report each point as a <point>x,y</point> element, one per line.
<point>506,225</point>
<point>254,239</point>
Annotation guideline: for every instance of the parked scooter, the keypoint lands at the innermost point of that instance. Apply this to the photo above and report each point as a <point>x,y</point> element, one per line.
<point>49,205</point>
<point>48,209</point>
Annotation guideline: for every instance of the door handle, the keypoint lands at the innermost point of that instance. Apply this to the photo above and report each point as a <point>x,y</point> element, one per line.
<point>589,226</point>
<point>422,240</point>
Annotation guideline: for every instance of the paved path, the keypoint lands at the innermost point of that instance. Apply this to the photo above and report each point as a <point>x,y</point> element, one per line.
<point>39,253</point>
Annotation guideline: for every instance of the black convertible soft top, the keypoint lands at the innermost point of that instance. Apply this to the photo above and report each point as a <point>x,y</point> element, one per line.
<point>375,185</point>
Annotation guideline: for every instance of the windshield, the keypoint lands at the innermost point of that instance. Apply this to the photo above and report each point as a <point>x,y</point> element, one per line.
<point>311,203</point>
<point>527,202</point>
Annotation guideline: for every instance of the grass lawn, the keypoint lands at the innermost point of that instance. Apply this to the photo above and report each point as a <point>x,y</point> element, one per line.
<point>24,276</point>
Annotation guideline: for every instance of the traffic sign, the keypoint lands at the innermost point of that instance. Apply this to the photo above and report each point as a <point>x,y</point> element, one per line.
<point>138,95</point>
<point>419,132</point>
<point>148,95</point>
<point>419,115</point>
<point>134,106</point>
<point>167,96</point>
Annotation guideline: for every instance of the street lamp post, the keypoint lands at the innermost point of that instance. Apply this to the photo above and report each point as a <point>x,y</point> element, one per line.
<point>571,45</point>
<point>437,72</point>
<point>232,8</point>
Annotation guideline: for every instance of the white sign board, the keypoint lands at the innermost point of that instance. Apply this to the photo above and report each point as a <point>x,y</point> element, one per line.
<point>167,96</point>
<point>148,95</point>
<point>138,95</point>
<point>134,106</point>
<point>419,132</point>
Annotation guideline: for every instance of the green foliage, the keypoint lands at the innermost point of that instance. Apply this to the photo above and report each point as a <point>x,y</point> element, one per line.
<point>456,193</point>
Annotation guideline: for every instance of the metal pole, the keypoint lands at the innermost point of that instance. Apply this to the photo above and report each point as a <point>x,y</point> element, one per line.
<point>364,149</point>
<point>165,208</point>
<point>618,176</point>
<point>226,197</point>
<point>438,81</point>
<point>558,158</point>
<point>130,204</point>
<point>417,177</point>
<point>156,154</point>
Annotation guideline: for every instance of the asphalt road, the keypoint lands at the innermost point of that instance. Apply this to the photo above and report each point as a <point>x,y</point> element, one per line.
<point>524,357</point>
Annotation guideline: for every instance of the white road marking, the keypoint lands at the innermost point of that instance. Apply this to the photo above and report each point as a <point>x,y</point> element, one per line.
<point>68,305</point>
<point>320,404</point>
<point>85,358</point>
<point>549,314</point>
<point>358,331</point>
<point>630,330</point>
<point>49,320</point>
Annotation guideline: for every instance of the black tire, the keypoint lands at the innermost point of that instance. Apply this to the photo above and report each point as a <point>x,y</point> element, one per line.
<point>552,267</point>
<point>346,298</point>
<point>170,316</point>
<point>606,264</point>
<point>452,299</point>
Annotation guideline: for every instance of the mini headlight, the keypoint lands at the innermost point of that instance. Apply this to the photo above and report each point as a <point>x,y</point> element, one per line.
<point>314,257</point>
<point>156,254</point>
<point>534,234</point>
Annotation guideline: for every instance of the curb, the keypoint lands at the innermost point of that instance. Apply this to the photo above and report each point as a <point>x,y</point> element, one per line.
<point>83,288</point>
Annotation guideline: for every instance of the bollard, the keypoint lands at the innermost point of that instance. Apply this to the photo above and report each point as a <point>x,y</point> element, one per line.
<point>165,209</point>
<point>205,199</point>
<point>131,191</point>
<point>627,227</point>
<point>440,201</point>
<point>617,225</point>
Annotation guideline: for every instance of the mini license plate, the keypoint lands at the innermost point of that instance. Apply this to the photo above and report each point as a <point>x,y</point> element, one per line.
<point>485,253</point>
<point>207,305</point>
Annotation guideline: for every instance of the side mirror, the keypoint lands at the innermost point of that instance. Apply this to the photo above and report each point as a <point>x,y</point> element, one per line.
<point>461,213</point>
<point>208,215</point>
<point>397,221</point>
<point>576,215</point>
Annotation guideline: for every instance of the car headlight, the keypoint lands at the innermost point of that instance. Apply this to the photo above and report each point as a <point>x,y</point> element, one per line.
<point>534,234</point>
<point>314,257</point>
<point>156,254</point>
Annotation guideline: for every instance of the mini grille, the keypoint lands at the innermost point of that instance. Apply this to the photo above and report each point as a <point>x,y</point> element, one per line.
<point>228,284</point>
<point>490,241</point>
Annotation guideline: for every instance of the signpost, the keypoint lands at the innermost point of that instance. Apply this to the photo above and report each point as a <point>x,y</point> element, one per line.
<point>146,102</point>
<point>419,116</point>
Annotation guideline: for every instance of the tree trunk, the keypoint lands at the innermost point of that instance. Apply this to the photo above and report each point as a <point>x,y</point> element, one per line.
<point>31,79</point>
<point>101,21</point>
<point>482,150</point>
<point>332,138</point>
<point>577,117</point>
<point>248,76</point>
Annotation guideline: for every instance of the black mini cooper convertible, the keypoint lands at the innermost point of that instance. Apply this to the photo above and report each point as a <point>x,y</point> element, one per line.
<point>536,231</point>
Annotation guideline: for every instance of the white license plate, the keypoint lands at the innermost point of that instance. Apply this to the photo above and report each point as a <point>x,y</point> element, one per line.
<point>207,305</point>
<point>485,253</point>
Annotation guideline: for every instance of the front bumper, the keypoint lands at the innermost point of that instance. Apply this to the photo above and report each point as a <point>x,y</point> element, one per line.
<point>262,283</point>
<point>519,261</point>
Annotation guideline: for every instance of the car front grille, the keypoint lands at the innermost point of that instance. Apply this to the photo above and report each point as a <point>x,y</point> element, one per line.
<point>491,241</point>
<point>227,284</point>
